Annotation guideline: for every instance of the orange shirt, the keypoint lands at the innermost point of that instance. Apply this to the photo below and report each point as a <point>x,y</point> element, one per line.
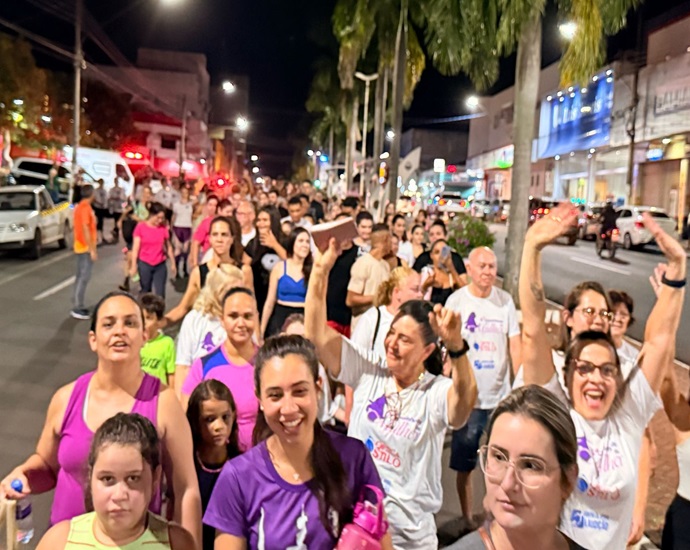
<point>83,216</point>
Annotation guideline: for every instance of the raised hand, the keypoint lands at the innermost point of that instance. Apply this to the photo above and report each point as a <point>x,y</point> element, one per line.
<point>554,225</point>
<point>326,259</point>
<point>446,324</point>
<point>669,245</point>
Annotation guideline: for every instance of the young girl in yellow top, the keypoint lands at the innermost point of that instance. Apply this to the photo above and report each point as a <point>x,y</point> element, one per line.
<point>124,472</point>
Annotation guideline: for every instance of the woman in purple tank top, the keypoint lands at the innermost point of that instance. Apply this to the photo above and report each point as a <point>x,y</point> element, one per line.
<point>77,410</point>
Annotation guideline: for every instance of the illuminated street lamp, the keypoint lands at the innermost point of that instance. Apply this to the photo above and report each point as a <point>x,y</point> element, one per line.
<point>229,87</point>
<point>255,170</point>
<point>567,30</point>
<point>390,135</point>
<point>241,123</point>
<point>472,102</point>
<point>310,153</point>
<point>254,158</point>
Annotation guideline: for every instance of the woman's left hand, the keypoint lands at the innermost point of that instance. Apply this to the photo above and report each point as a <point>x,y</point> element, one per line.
<point>446,325</point>
<point>669,245</point>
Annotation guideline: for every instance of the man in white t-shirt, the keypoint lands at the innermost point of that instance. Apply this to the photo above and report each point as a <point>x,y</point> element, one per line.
<point>374,324</point>
<point>491,329</point>
<point>368,272</point>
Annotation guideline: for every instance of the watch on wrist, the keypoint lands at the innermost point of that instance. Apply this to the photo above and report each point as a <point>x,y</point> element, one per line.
<point>456,354</point>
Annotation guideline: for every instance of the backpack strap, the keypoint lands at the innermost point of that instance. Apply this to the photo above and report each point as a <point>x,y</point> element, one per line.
<point>376,329</point>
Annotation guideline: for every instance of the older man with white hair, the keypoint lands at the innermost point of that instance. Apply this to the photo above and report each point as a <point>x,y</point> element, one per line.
<point>490,327</point>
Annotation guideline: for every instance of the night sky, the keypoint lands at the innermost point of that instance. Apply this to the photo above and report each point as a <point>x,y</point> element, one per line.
<point>274,42</point>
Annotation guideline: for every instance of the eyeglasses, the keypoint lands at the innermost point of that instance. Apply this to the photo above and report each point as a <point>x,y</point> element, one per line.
<point>590,312</point>
<point>531,471</point>
<point>621,316</point>
<point>585,368</point>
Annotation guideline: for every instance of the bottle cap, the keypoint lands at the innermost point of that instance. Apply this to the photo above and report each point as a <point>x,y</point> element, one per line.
<point>17,485</point>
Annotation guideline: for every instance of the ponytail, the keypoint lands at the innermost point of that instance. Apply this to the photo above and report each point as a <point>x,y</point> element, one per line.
<point>330,482</point>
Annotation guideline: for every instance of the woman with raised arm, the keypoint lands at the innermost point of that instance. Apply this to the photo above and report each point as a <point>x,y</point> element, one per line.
<point>402,404</point>
<point>610,415</point>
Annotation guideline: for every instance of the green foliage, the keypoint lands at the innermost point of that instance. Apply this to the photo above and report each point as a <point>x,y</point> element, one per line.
<point>20,79</point>
<point>466,233</point>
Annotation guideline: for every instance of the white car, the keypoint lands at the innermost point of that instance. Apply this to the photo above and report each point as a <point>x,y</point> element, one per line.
<point>632,230</point>
<point>29,220</point>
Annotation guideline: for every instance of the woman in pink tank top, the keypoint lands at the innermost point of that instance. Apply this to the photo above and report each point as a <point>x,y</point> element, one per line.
<point>77,410</point>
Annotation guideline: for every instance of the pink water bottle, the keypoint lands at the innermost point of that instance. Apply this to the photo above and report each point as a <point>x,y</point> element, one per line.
<point>368,526</point>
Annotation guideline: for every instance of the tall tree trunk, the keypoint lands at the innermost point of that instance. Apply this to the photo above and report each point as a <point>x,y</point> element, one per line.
<point>398,92</point>
<point>379,115</point>
<point>351,143</point>
<point>526,91</point>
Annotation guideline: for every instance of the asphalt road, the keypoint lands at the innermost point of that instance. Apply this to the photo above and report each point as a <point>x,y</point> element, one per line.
<point>565,266</point>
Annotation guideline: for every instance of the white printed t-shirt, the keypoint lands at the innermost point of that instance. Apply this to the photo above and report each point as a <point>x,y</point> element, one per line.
<point>599,512</point>
<point>487,323</point>
<point>407,451</point>
<point>199,335</point>
<point>366,327</point>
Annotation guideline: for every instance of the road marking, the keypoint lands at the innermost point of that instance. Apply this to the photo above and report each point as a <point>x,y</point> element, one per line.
<point>55,288</point>
<point>35,267</point>
<point>600,265</point>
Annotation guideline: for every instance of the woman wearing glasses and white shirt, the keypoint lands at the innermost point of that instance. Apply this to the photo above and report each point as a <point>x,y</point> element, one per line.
<point>530,470</point>
<point>610,414</point>
<point>402,406</point>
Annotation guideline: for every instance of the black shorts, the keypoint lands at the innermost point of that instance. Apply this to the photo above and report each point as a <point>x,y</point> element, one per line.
<point>676,533</point>
<point>465,444</point>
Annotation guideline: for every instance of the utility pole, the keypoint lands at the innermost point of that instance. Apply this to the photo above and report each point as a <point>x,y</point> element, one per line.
<point>183,137</point>
<point>78,61</point>
<point>363,176</point>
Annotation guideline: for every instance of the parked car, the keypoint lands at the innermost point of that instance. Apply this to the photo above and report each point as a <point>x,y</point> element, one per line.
<point>29,220</point>
<point>632,230</point>
<point>588,222</point>
<point>538,208</point>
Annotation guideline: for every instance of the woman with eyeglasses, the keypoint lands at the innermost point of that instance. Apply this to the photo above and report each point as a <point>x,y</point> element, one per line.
<point>610,414</point>
<point>530,470</point>
<point>402,405</point>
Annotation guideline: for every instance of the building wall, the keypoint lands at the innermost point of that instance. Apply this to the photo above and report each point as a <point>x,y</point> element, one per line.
<point>670,41</point>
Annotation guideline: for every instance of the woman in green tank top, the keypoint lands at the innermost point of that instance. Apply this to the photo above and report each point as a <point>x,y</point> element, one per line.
<point>124,472</point>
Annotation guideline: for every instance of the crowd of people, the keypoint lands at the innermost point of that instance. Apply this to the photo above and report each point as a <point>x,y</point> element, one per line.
<point>310,376</point>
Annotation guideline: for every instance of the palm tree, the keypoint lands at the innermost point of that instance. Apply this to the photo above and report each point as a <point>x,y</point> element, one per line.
<point>471,36</point>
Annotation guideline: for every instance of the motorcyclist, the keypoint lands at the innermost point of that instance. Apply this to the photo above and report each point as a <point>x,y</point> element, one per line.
<point>608,218</point>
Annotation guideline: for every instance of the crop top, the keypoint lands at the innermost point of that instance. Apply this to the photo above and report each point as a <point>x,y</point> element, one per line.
<point>290,290</point>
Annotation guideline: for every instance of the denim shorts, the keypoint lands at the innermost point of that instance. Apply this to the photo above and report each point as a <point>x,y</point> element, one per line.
<point>465,444</point>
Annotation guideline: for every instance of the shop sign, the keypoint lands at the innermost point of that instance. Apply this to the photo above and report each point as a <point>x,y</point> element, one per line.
<point>673,97</point>
<point>498,159</point>
<point>655,153</point>
<point>576,119</point>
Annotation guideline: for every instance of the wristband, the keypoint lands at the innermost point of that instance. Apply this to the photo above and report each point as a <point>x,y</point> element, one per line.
<point>673,283</point>
<point>456,354</point>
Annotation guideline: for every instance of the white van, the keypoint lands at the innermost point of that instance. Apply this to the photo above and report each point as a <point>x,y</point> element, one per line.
<point>104,164</point>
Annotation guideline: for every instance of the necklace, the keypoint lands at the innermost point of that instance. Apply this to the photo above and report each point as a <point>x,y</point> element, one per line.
<point>206,469</point>
<point>279,466</point>
<point>395,404</point>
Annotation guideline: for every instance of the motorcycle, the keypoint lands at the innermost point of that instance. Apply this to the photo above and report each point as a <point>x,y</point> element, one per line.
<point>607,242</point>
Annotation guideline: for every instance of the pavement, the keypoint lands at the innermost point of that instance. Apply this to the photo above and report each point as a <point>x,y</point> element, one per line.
<point>42,348</point>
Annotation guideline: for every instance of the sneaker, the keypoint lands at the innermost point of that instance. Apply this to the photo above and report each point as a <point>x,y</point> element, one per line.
<point>82,314</point>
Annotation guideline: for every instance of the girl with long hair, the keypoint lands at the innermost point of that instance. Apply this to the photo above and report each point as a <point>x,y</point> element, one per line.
<point>212,416</point>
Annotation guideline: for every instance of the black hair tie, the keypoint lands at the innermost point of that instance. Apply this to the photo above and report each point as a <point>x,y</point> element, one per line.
<point>673,283</point>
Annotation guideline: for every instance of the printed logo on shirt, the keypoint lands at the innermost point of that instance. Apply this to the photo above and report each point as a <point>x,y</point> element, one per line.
<point>484,365</point>
<point>475,324</point>
<point>380,413</point>
<point>587,519</point>
<point>207,344</point>
<point>383,453</point>
<point>607,459</point>
<point>597,491</point>
<point>484,346</point>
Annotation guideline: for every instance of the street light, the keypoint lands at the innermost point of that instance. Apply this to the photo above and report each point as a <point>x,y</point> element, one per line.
<point>255,170</point>
<point>472,102</point>
<point>310,153</point>
<point>229,87</point>
<point>568,30</point>
<point>390,135</point>
<point>241,123</point>
<point>254,158</point>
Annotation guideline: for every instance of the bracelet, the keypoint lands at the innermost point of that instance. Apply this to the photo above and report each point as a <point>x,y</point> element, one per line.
<point>673,283</point>
<point>456,354</point>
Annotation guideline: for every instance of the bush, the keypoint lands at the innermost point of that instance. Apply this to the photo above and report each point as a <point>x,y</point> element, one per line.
<point>466,233</point>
